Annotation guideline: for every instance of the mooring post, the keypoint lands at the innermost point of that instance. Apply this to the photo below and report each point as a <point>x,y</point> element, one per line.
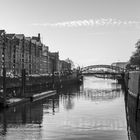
<point>53,105</point>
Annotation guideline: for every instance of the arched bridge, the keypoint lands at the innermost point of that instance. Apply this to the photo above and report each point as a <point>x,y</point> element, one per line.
<point>107,67</point>
<point>102,70</point>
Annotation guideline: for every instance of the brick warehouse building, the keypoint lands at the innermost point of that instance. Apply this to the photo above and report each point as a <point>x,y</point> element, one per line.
<point>53,62</point>
<point>27,53</point>
<point>64,66</point>
<point>45,60</point>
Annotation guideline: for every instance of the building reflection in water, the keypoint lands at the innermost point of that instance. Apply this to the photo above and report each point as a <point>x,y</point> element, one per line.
<point>26,114</point>
<point>102,90</point>
<point>68,94</point>
<point>101,95</point>
<point>110,92</point>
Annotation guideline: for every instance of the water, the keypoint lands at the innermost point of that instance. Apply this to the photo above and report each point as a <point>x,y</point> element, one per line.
<point>92,111</point>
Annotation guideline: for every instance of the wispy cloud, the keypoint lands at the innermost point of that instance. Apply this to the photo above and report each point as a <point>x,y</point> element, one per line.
<point>92,23</point>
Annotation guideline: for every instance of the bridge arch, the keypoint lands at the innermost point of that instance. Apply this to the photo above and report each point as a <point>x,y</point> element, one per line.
<point>115,68</point>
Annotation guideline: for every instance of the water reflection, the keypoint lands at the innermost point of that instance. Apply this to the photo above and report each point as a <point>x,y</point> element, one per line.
<point>26,116</point>
<point>101,95</point>
<point>94,110</point>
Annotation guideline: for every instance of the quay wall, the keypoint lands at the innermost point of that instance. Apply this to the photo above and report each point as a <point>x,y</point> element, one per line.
<point>30,80</point>
<point>132,94</point>
<point>132,81</point>
<point>37,84</point>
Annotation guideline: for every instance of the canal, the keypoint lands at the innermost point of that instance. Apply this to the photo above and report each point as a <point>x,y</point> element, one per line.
<point>92,111</point>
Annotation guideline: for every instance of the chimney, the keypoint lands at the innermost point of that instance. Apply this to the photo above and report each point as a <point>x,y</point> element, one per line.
<point>38,36</point>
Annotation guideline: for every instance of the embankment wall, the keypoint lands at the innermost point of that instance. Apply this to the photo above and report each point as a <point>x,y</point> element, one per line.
<point>133,82</point>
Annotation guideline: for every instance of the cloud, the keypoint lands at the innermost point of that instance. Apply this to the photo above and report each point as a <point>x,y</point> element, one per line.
<point>91,23</point>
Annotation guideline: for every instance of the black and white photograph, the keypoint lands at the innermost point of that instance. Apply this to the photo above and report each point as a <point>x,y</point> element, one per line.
<point>69,69</point>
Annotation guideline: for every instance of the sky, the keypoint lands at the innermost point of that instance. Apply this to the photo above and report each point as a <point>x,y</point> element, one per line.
<point>86,31</point>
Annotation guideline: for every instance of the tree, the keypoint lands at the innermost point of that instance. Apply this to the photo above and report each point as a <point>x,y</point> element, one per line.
<point>71,62</point>
<point>135,58</point>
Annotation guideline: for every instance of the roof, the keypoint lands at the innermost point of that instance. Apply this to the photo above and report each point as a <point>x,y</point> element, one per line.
<point>19,36</point>
<point>35,38</point>
<point>45,48</point>
<point>28,38</point>
<point>39,43</point>
<point>10,35</point>
<point>33,41</point>
<point>2,31</point>
<point>116,63</point>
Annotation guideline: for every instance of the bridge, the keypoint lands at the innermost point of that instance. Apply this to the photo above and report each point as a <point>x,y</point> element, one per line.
<point>103,71</point>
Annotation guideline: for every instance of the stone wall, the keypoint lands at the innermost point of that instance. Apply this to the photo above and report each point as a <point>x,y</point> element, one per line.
<point>133,82</point>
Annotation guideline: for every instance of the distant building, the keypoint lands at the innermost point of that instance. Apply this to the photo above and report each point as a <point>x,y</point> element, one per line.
<point>64,66</point>
<point>10,53</point>
<point>53,62</point>
<point>120,64</point>
<point>44,60</point>
<point>37,53</point>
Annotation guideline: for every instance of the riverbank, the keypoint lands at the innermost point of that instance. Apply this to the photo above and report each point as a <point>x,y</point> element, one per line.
<point>35,88</point>
<point>16,88</point>
<point>132,92</point>
<point>132,82</point>
<point>30,80</point>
